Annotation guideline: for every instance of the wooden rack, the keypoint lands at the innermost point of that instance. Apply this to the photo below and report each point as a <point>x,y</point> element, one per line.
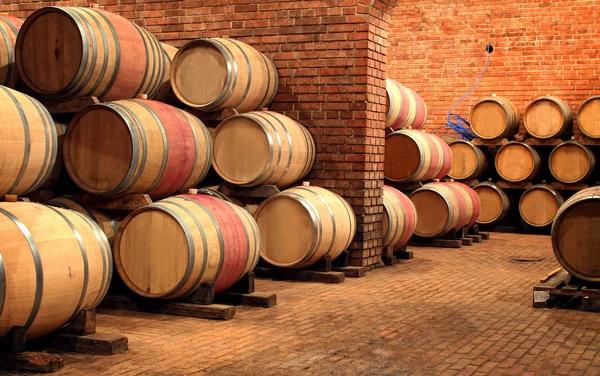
<point>321,271</point>
<point>559,289</point>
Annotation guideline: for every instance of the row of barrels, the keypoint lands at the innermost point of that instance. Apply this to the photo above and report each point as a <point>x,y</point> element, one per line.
<point>570,162</point>
<point>70,52</point>
<point>545,117</point>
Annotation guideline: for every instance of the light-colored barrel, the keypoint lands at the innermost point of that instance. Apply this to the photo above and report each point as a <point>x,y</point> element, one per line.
<point>168,249</point>
<point>547,117</point>
<point>468,161</point>
<point>399,218</point>
<point>143,146</point>
<point>439,210</point>
<point>28,143</point>
<point>575,235</point>
<point>9,29</point>
<point>165,91</point>
<point>262,147</point>
<point>54,263</point>
<point>495,203</point>
<point>70,52</point>
<point>571,162</point>
<point>412,155</point>
<point>517,162</point>
<point>107,224</point>
<point>588,117</point>
<point>471,199</point>
<point>405,108</point>
<point>494,117</point>
<point>303,224</point>
<point>217,73</point>
<point>539,204</point>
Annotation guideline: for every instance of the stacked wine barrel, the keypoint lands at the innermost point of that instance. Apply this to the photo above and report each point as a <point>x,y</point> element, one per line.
<point>405,108</point>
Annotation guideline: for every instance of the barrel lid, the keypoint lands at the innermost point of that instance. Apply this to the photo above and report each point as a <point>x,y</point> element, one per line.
<point>432,210</point>
<point>402,155</point>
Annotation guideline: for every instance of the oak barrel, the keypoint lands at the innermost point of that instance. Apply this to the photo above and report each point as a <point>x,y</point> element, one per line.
<point>516,162</point>
<point>217,73</point>
<point>9,28</point>
<point>262,147</point>
<point>440,208</point>
<point>495,203</point>
<point>61,128</point>
<point>468,161</point>
<point>302,224</point>
<point>547,117</point>
<point>588,117</point>
<point>143,146</point>
<point>412,156</point>
<point>575,235</point>
<point>399,218</point>
<point>165,91</point>
<point>494,117</point>
<point>54,263</point>
<point>539,204</point>
<point>405,108</point>
<point>571,162</point>
<point>167,249</point>
<point>107,224</point>
<point>70,52</point>
<point>28,143</point>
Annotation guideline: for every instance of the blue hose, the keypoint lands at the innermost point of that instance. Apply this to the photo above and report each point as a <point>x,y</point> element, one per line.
<point>457,123</point>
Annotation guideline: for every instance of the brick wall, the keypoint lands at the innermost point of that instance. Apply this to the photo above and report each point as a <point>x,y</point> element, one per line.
<point>330,57</point>
<point>540,47</point>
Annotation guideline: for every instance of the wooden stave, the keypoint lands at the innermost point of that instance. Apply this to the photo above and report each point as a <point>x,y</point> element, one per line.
<point>452,205</point>
<point>581,125</point>
<point>162,115</point>
<point>420,110</point>
<point>480,167</point>
<point>108,225</point>
<point>553,192</point>
<point>315,204</point>
<point>279,130</point>
<point>405,108</point>
<point>398,204</point>
<point>114,78</point>
<point>566,112</point>
<point>426,159</point>
<point>9,28</point>
<point>587,151</point>
<point>230,96</point>
<point>465,205</point>
<point>536,162</point>
<point>476,204</point>
<point>446,157</point>
<point>588,195</point>
<point>505,200</point>
<point>61,129</point>
<point>73,233</point>
<point>29,117</point>
<point>512,118</point>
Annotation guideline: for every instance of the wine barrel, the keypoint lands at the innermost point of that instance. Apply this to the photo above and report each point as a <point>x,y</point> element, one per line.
<point>143,146</point>
<point>547,117</point>
<point>472,201</point>
<point>539,204</point>
<point>167,249</point>
<point>54,263</point>
<point>494,203</point>
<point>69,52</point>
<point>516,162</point>
<point>571,162</point>
<point>302,224</point>
<point>588,117</point>
<point>107,224</point>
<point>412,155</point>
<point>405,108</point>
<point>262,147</point>
<point>575,235</point>
<point>9,28</point>
<point>468,161</point>
<point>399,218</point>
<point>494,117</point>
<point>28,143</point>
<point>217,73</point>
<point>57,169</point>
<point>164,91</point>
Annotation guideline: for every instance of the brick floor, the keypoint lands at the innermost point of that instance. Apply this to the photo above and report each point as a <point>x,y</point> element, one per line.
<point>446,312</point>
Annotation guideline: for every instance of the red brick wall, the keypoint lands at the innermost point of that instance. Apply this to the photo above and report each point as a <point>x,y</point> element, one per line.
<point>540,47</point>
<point>330,57</point>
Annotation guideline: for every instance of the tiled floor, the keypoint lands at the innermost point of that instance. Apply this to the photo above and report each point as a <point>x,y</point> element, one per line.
<point>446,312</point>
